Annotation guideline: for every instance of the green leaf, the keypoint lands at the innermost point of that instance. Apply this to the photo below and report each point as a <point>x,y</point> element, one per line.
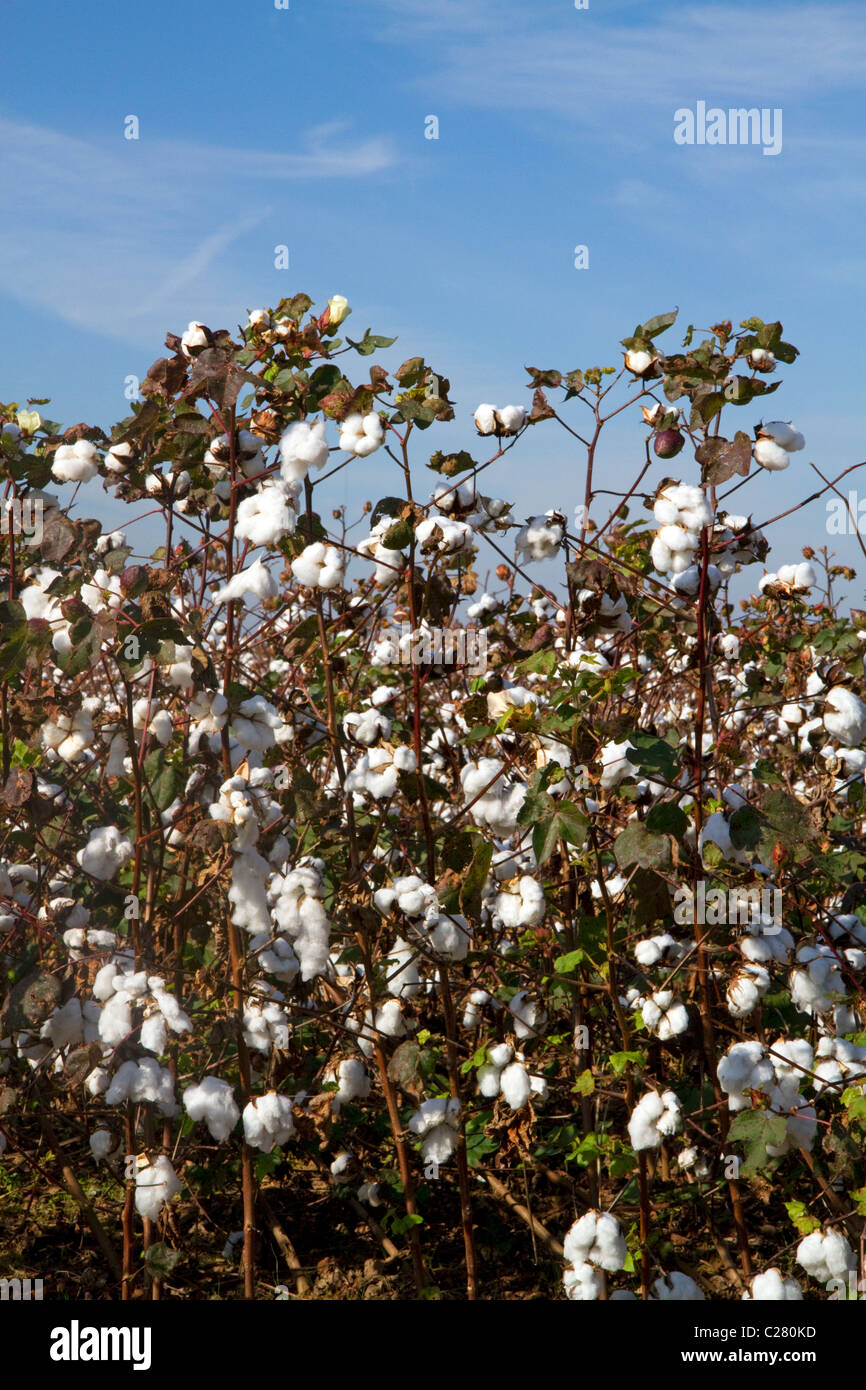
<point>667,819</point>
<point>620,1060</point>
<point>801,1218</point>
<point>745,827</point>
<point>658,324</point>
<point>473,884</point>
<point>565,965</point>
<point>756,1129</point>
<point>369,343</point>
<point>637,845</point>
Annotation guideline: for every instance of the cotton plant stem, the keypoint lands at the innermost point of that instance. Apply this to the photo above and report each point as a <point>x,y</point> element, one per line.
<point>462,1165</point>
<point>128,1218</point>
<point>404,1167</point>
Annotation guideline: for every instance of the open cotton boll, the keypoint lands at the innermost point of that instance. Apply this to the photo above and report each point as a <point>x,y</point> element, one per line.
<point>816,983</point>
<point>677,1288</point>
<point>299,911</point>
<point>515,1085</point>
<point>319,566</point>
<point>639,361</point>
<point>268,1121</point>
<point>436,1124</point>
<point>846,717</point>
<point>770,455</point>
<point>529,1017</point>
<point>472,1010</point>
<point>541,538</point>
<point>213,1101</point>
<point>303,446</point>
<point>746,989</point>
<point>256,583</point>
<point>106,852</point>
<point>497,800</point>
<point>75,463</point>
<point>744,1067</point>
<point>257,724</point>
<point>716,831</point>
<point>615,766</point>
<point>367,727</point>
<point>266,517</point>
<point>449,935</point>
<point>595,1238</point>
<point>354,1083</point>
<point>665,1015</point>
<point>485,419</point>
<point>826,1255</point>
<point>582,1283</point>
<point>773,1287</point>
<point>782,433</point>
<point>361,434</point>
<point>155,1184</point>
<point>404,978</point>
<point>653,1117</point>
<point>521,903</point>
<point>70,736</point>
<point>143,1081</point>
<point>511,418</point>
<point>101,1144</point>
<point>654,949</point>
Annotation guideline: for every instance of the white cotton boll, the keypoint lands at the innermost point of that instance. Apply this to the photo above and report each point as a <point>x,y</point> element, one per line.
<point>817,981</point>
<point>485,419</point>
<point>615,764</point>
<point>155,1184</point>
<point>299,912</point>
<point>529,1017</point>
<point>770,455</point>
<point>744,1067</point>
<point>361,434</point>
<point>154,1032</point>
<point>665,1015</point>
<point>268,1121</point>
<point>542,537</point>
<point>746,990</point>
<point>257,724</point>
<point>653,949</point>
<point>522,903</point>
<point>638,360</point>
<point>115,1020</point>
<point>582,1283</point>
<point>660,556</point>
<point>515,1085</point>
<point>436,1123</point>
<point>595,1238</point>
<point>70,735</point>
<point>354,1083</point>
<point>212,1100</point>
<point>826,1255</point>
<point>64,1027</point>
<point>472,1011</point>
<point>302,447</point>
<point>404,978</point>
<point>101,1144</point>
<point>75,463</point>
<point>106,852</point>
<point>716,831</point>
<point>665,510</point>
<point>488,1078</point>
<point>390,1021</point>
<point>266,517</point>
<point>368,727</point>
<point>500,1054</point>
<point>143,1081</point>
<point>97,1081</point>
<point>653,1116</point>
<point>255,582</point>
<point>511,418</point>
<point>676,539</point>
<point>319,566</point>
<point>449,935</point>
<point>783,433</point>
<point>772,1287</point>
<point>677,1288</point>
<point>195,336</point>
<point>846,718</point>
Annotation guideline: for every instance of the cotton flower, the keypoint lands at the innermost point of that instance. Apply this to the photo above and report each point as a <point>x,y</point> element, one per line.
<point>212,1101</point>
<point>361,434</point>
<point>319,565</point>
<point>303,446</point>
<point>75,463</point>
<point>338,310</point>
<point>156,1183</point>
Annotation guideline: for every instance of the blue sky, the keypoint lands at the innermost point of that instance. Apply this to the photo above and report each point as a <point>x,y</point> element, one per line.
<point>306,127</point>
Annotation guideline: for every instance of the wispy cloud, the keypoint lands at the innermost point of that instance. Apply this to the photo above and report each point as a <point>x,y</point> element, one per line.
<point>115,240</point>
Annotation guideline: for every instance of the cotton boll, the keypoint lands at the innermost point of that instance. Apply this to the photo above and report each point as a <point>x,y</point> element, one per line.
<point>319,566</point>
<point>449,935</point>
<point>595,1238</point>
<point>770,455</point>
<point>255,582</point>
<point>266,517</point>
<point>515,1085</point>
<point>155,1184</point>
<point>744,1067</point>
<point>747,988</point>
<point>826,1255</point>
<point>303,446</point>
<point>677,1288</point>
<point>268,1121</point>
<point>615,764</point>
<point>654,1116</point>
<point>436,1123</point>
<point>472,1011</point>
<point>196,336</point>
<point>404,978</point>
<point>115,1021</point>
<point>212,1100</point>
<point>665,1015</point>
<point>64,1027</point>
<point>783,433</point>
<point>361,434</point>
<point>75,463</point>
<point>846,717</point>
<point>354,1083</point>
<point>300,913</point>
<point>582,1283</point>
<point>521,904</point>
<point>511,418</point>
<point>257,724</point>
<point>101,1144</point>
<point>772,1287</point>
<point>485,419</point>
<point>143,1081</point>
<point>816,983</point>
<point>154,1032</point>
<point>654,949</point>
<point>529,1016</point>
<point>542,537</point>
